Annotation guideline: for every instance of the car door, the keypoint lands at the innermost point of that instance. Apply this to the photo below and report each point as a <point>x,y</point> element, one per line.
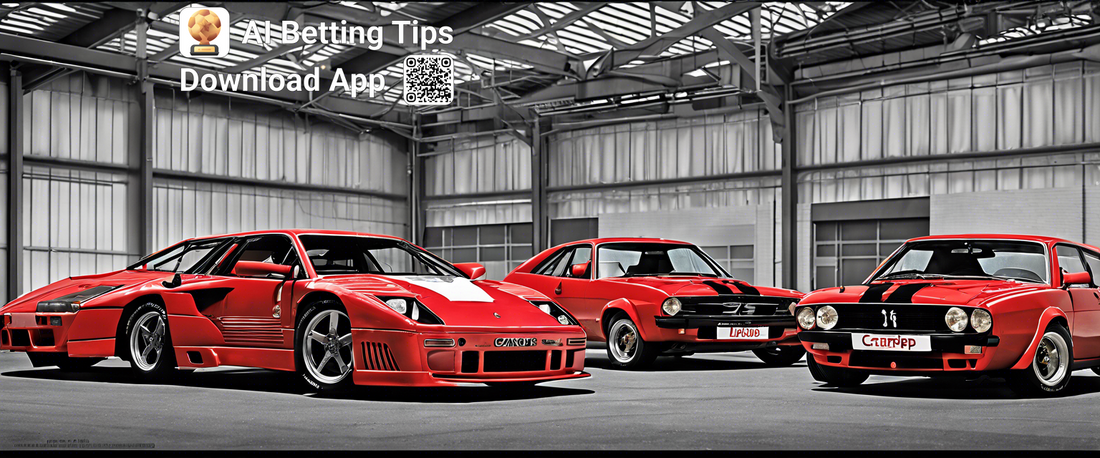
<point>552,278</point>
<point>576,294</point>
<point>1085,325</point>
<point>254,309</point>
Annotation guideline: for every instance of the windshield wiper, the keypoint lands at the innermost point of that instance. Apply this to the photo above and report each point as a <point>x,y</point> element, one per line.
<point>915,273</point>
<point>701,274</point>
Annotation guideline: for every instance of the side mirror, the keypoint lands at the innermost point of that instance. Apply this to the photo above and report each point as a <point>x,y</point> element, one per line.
<point>1076,278</point>
<point>260,269</point>
<point>578,270</point>
<point>471,269</point>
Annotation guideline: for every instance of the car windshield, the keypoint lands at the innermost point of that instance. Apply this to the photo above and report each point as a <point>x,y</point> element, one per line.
<point>1011,260</point>
<point>651,259</point>
<point>338,254</point>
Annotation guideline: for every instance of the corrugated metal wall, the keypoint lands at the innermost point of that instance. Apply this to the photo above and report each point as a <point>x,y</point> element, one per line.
<point>77,217</point>
<point>74,220</point>
<point>1038,107</point>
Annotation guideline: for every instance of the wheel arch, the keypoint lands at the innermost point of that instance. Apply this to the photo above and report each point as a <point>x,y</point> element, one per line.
<point>623,306</point>
<point>311,298</point>
<point>124,318</point>
<point>1050,315</point>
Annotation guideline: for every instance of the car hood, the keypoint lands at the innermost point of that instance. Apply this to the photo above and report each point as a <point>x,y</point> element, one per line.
<point>456,300</point>
<point>942,292</point>
<point>124,280</point>
<point>702,286</point>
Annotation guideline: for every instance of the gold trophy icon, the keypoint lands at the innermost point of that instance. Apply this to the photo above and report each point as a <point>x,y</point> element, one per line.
<point>204,27</point>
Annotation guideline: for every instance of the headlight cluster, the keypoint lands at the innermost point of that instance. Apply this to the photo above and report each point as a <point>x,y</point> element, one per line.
<point>806,318</point>
<point>73,302</point>
<point>979,319</point>
<point>412,309</point>
<point>555,310</point>
<point>825,317</point>
<point>672,306</point>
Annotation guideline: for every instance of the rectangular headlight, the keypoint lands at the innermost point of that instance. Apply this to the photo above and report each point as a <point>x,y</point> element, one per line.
<point>439,342</point>
<point>72,302</point>
<point>58,306</point>
<point>575,341</point>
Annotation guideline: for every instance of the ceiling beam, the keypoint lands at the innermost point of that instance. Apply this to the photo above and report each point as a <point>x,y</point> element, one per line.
<point>563,22</point>
<point>652,47</point>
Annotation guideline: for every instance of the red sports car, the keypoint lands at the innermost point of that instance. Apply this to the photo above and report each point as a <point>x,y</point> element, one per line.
<point>647,297</point>
<point>1023,307</point>
<point>368,309</point>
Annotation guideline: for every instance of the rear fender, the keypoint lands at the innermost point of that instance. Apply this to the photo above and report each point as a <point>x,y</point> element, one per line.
<point>625,306</point>
<point>1050,314</point>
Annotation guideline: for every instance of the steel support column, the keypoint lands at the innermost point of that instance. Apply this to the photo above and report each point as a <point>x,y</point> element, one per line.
<point>416,187</point>
<point>142,156</point>
<point>789,212</point>
<point>540,237</point>
<point>15,183</point>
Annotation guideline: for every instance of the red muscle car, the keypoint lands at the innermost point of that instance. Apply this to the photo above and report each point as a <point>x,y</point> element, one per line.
<point>646,297</point>
<point>1023,307</point>
<point>363,309</point>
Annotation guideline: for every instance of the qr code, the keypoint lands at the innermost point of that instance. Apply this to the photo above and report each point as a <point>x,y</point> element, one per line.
<point>429,79</point>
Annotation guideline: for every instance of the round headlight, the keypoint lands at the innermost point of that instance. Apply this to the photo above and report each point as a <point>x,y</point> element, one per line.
<point>981,320</point>
<point>956,319</point>
<point>826,317</point>
<point>563,319</point>
<point>806,317</point>
<point>399,305</point>
<point>671,306</point>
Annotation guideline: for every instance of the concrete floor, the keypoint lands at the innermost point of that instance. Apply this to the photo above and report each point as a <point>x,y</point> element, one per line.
<point>716,401</point>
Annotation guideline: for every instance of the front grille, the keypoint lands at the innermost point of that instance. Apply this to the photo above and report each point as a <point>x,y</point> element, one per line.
<point>515,361</point>
<point>43,338</point>
<point>735,305</point>
<point>470,360</point>
<point>378,357</point>
<point>899,360</point>
<point>20,338</point>
<point>894,317</point>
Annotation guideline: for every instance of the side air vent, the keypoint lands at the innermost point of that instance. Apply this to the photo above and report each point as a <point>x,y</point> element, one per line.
<point>377,357</point>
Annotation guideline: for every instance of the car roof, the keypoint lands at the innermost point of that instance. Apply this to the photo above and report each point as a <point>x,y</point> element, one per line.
<point>295,232</point>
<point>1030,238</point>
<point>629,240</point>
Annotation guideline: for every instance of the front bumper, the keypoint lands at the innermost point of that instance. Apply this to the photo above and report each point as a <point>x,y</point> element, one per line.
<point>702,330</point>
<point>948,352</point>
<point>386,357</point>
<point>39,332</point>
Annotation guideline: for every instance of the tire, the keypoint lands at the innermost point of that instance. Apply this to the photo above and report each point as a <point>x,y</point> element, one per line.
<point>625,347</point>
<point>836,376</point>
<point>149,343</point>
<point>780,356</point>
<point>323,350</point>
<point>1050,368</point>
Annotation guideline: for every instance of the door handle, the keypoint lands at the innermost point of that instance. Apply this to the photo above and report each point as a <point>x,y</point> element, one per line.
<point>558,290</point>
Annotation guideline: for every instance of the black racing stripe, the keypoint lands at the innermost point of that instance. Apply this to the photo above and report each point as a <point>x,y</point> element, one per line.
<point>874,292</point>
<point>745,288</point>
<point>718,287</point>
<point>904,294</point>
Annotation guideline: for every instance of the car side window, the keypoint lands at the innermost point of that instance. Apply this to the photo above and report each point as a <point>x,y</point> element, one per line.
<point>1069,259</point>
<point>555,263</point>
<point>272,249</point>
<point>1093,261</point>
<point>581,255</point>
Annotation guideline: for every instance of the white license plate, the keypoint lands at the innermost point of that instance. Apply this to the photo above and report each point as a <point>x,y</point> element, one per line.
<point>891,342</point>
<point>742,333</point>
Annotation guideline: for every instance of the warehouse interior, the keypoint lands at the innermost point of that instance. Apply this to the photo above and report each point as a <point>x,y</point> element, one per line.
<point>798,143</point>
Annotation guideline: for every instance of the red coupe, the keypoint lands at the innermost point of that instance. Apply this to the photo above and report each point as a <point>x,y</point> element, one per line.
<point>647,297</point>
<point>368,309</point>
<point>1024,307</point>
